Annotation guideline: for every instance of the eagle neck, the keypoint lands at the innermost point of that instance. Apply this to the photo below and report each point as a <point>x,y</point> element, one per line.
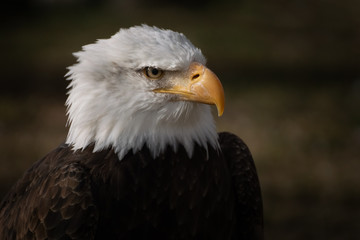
<point>157,130</point>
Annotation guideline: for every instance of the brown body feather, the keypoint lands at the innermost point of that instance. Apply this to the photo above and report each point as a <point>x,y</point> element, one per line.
<point>86,195</point>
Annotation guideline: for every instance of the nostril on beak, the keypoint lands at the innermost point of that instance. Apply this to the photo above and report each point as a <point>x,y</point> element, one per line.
<point>196,76</point>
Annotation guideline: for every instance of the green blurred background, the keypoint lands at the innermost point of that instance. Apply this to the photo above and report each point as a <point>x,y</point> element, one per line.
<point>291,73</point>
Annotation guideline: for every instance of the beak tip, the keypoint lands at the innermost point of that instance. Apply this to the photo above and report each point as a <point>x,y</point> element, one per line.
<point>220,110</point>
<point>220,104</point>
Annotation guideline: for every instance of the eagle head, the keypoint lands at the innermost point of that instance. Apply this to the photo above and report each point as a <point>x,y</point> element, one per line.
<point>143,86</point>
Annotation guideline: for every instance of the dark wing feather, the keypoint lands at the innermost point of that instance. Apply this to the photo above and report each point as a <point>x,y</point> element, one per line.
<point>249,207</point>
<point>53,200</point>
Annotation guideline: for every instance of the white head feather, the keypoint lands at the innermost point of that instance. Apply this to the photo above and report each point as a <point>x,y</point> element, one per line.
<point>111,103</point>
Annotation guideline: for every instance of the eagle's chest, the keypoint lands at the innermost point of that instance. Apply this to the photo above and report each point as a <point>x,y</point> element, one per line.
<point>171,195</point>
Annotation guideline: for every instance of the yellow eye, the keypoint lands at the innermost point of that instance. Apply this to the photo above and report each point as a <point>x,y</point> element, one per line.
<point>153,73</point>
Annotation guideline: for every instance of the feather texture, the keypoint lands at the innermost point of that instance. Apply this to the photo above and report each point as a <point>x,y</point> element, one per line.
<point>86,195</point>
<point>137,164</point>
<point>112,104</point>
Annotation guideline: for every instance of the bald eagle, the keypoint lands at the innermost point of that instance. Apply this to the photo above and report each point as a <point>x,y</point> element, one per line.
<point>142,159</point>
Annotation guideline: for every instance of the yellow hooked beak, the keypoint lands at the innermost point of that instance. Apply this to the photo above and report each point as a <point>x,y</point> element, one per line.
<point>200,85</point>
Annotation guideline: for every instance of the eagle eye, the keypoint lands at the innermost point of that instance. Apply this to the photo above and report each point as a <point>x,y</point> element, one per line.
<point>153,73</point>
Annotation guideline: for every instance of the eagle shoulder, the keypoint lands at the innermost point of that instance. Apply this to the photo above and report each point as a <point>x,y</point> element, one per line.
<point>249,208</point>
<point>53,200</point>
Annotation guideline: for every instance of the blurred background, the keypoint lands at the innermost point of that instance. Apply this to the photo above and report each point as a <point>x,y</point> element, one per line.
<point>291,73</point>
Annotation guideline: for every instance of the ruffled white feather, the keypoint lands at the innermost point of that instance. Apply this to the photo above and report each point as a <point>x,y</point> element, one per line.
<point>111,103</point>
